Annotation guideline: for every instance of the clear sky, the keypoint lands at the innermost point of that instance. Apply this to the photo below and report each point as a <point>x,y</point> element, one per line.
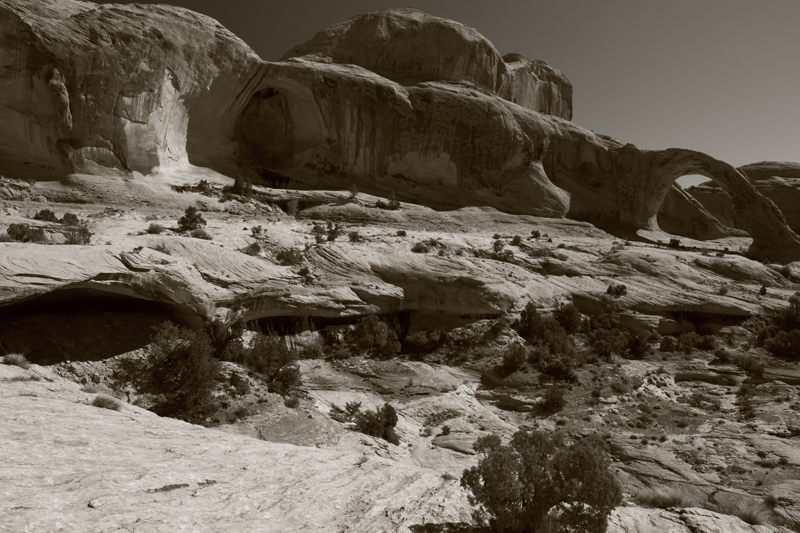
<point>718,76</point>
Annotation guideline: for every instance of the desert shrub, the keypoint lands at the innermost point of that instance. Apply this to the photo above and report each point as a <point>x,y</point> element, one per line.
<point>348,414</point>
<point>723,356</point>
<point>252,249</point>
<point>393,204</point>
<point>514,358</point>
<point>704,401</point>
<point>24,233</point>
<point>256,231</point>
<point>521,486</point>
<point>420,248</point>
<point>762,291</point>
<point>568,318</point>
<point>706,342</point>
<point>668,344</point>
<point>106,402</point>
<point>663,497</point>
<point>372,337</point>
<point>182,371</point>
<point>554,399</point>
<point>242,186</point>
<point>637,344</point>
<point>155,229</point>
<point>355,237</point>
<point>401,233</point>
<point>204,187</point>
<point>723,290</point>
<point>77,235</point>
<point>240,384</point>
<point>424,341</point>
<point>516,240</point>
<point>536,233</point>
<point>617,290</point>
<point>45,215</point>
<point>162,247</point>
<point>292,207</point>
<point>200,234</point>
<point>270,356</point>
<point>605,342</point>
<point>191,220</point>
<point>434,419</point>
<point>289,257</point>
<point>71,219</point>
<point>674,243</point>
<point>751,365</point>
<point>785,344</point>
<point>16,359</point>
<point>687,341</point>
<point>292,402</point>
<point>377,423</point>
<point>786,271</point>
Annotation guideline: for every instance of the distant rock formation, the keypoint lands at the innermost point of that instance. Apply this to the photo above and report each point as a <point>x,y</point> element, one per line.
<point>394,100</point>
<point>778,181</point>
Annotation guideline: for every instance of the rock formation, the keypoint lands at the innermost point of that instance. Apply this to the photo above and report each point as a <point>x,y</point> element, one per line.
<point>776,180</point>
<point>395,99</point>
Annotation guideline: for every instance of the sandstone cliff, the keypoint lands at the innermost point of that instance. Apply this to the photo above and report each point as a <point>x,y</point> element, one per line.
<point>142,88</point>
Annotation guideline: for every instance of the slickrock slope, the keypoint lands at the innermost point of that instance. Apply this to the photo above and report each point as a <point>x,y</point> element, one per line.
<point>177,89</point>
<point>69,466</point>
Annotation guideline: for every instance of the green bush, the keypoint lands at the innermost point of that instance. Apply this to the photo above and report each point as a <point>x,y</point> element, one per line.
<point>70,219</point>
<point>78,235</point>
<point>270,356</point>
<point>668,344</point>
<point>371,337</point>
<point>289,257</point>
<point>554,399</point>
<point>785,344</point>
<point>45,215</point>
<point>24,233</point>
<point>514,358</point>
<point>191,220</point>
<point>354,236</point>
<point>537,477</point>
<point>569,318</point>
<point>617,290</point>
<point>637,344</point>
<point>379,423</point>
<point>155,229</point>
<point>182,370</point>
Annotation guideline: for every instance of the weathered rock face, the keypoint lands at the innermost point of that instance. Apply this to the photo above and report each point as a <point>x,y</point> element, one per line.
<point>395,99</point>
<point>108,85</point>
<point>410,46</point>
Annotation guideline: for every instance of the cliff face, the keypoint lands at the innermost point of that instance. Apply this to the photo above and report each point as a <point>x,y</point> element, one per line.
<point>410,46</point>
<point>393,100</point>
<point>88,85</point>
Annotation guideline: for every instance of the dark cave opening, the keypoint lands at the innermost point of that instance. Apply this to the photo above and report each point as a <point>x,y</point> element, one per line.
<point>79,325</point>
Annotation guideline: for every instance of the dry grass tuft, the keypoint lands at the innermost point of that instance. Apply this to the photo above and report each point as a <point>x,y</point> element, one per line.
<point>663,497</point>
<point>749,510</point>
<point>107,402</point>
<point>16,359</point>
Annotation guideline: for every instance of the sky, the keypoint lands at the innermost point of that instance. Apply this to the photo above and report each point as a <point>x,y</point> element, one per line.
<point>717,76</point>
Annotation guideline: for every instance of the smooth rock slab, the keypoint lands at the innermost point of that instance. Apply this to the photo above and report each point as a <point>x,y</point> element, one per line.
<point>68,466</point>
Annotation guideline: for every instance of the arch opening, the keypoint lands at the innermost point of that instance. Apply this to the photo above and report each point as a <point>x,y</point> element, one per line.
<point>698,208</point>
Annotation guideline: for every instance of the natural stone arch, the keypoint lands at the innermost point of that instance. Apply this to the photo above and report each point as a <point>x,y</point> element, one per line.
<point>647,177</point>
